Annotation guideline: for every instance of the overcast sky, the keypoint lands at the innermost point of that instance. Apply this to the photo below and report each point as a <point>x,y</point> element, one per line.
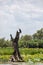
<point>24,14</point>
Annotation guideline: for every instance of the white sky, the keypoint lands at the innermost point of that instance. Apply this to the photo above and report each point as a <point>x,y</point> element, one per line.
<point>24,14</point>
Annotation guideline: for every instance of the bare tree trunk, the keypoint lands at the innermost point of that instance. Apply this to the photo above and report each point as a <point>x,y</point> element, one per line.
<point>16,52</point>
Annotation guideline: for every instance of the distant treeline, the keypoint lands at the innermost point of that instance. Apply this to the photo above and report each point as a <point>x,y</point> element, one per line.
<point>26,41</point>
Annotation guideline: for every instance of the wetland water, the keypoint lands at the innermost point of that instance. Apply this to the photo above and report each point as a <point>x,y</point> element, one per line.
<point>38,63</point>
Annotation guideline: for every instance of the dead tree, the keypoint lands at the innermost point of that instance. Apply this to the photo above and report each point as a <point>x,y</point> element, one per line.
<point>15,40</point>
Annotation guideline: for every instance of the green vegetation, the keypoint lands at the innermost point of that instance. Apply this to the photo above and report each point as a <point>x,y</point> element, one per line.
<point>26,41</point>
<point>6,51</point>
<point>23,51</point>
<point>34,58</point>
<point>30,46</point>
<point>34,54</point>
<point>32,41</point>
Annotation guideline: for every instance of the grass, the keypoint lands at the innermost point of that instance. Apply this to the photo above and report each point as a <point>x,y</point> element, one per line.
<point>23,51</point>
<point>31,51</point>
<point>33,54</point>
<point>6,51</point>
<point>34,58</point>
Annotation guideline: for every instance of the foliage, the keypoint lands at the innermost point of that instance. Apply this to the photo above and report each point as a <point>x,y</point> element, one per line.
<point>27,54</point>
<point>34,58</point>
<point>6,51</point>
<point>31,44</point>
<point>34,41</point>
<point>9,51</point>
<point>26,37</point>
<point>26,41</point>
<point>38,34</point>
<point>5,43</point>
